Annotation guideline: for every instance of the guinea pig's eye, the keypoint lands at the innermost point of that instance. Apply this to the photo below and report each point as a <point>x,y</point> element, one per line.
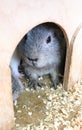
<point>48,40</point>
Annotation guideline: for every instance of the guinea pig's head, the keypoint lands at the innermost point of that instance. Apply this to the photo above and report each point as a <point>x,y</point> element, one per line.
<point>41,47</point>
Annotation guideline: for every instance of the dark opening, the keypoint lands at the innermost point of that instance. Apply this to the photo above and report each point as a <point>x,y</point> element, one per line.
<point>38,61</point>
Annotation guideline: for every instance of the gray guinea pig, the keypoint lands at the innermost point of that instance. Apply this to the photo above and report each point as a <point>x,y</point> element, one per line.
<point>43,52</point>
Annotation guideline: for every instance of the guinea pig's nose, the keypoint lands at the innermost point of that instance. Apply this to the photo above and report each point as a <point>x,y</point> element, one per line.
<point>33,60</point>
<point>36,59</point>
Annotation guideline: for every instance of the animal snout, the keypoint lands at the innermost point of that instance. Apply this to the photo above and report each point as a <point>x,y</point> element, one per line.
<point>33,61</point>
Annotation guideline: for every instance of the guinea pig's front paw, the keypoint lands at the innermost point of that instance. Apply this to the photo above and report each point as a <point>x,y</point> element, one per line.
<point>34,84</point>
<point>19,75</point>
<point>55,83</point>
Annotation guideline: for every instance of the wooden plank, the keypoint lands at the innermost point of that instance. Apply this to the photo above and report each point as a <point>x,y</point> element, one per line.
<point>74,60</point>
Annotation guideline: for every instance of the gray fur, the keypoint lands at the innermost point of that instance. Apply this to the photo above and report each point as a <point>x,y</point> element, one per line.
<point>17,87</point>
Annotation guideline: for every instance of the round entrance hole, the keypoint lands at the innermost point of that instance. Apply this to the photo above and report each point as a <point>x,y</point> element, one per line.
<point>37,68</point>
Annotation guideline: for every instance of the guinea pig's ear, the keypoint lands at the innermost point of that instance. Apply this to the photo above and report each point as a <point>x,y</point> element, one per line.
<point>58,33</point>
<point>48,40</point>
<point>25,37</point>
